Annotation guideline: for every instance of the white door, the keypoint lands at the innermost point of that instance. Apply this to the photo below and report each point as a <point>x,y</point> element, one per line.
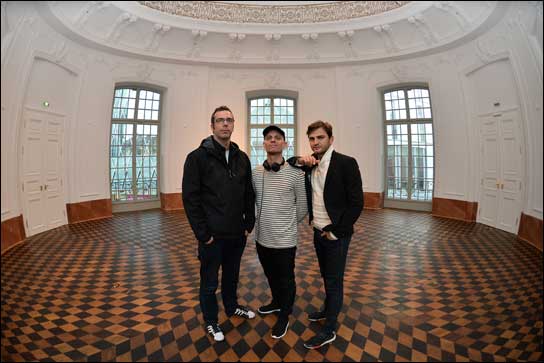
<point>43,191</point>
<point>501,171</point>
<point>489,185</point>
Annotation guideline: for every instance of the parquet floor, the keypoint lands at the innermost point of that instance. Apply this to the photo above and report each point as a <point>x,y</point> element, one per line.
<point>417,288</point>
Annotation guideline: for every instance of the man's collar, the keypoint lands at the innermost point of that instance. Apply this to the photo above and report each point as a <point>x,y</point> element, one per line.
<point>328,154</point>
<point>218,146</point>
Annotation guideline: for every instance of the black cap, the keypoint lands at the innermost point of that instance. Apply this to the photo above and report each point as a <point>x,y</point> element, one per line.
<point>273,128</point>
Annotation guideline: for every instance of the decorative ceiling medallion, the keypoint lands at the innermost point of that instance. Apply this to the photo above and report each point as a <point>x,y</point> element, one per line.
<point>274,14</point>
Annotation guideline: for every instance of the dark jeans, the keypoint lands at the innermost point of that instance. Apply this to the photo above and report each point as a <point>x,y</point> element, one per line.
<point>332,263</point>
<point>279,268</point>
<point>226,253</point>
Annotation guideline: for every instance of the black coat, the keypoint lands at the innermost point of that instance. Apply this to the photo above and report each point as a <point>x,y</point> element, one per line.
<point>218,198</point>
<point>343,193</point>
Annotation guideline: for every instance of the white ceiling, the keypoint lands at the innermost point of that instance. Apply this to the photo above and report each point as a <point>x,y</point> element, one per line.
<point>130,28</point>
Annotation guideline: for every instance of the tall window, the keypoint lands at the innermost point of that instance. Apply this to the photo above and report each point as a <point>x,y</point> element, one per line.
<point>134,144</point>
<point>267,110</point>
<point>410,147</point>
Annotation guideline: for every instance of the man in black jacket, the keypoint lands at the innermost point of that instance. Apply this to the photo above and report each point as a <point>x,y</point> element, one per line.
<point>335,201</point>
<point>219,202</point>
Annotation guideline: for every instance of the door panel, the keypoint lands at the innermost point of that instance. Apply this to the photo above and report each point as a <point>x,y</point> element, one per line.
<point>488,212</point>
<point>511,178</point>
<point>501,165</point>
<point>44,206</point>
<point>489,192</point>
<point>32,174</point>
<point>54,201</point>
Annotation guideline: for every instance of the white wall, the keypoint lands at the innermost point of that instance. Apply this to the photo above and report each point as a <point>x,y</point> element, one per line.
<point>347,96</point>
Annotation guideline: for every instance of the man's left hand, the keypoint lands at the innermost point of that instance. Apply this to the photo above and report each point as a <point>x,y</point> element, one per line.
<point>327,235</point>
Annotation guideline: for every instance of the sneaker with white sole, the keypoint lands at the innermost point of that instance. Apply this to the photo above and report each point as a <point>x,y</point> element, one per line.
<point>269,309</point>
<point>320,340</point>
<point>244,312</point>
<point>280,328</point>
<point>317,316</point>
<point>215,331</point>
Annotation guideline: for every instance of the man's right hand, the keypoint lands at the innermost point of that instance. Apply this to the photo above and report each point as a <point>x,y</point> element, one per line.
<point>307,160</point>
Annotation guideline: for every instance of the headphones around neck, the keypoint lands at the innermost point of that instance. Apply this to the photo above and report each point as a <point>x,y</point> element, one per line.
<point>274,167</point>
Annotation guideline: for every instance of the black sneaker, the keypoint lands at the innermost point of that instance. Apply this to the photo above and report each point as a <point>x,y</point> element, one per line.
<point>316,316</point>
<point>320,340</point>
<point>268,309</point>
<point>215,331</point>
<point>280,328</point>
<point>244,312</point>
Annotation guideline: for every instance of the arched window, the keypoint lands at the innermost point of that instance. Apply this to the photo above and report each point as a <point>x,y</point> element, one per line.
<point>274,107</point>
<point>134,146</point>
<point>409,171</point>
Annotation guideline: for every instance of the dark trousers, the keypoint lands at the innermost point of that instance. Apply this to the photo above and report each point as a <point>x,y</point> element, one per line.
<point>279,268</point>
<point>225,253</point>
<point>332,264</point>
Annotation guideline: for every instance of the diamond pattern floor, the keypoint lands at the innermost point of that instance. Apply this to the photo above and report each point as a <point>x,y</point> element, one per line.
<point>417,288</point>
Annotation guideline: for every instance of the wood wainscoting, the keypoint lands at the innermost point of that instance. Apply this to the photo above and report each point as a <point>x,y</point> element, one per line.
<point>530,230</point>
<point>373,200</point>
<point>13,232</point>
<point>86,211</point>
<point>171,201</point>
<point>455,209</point>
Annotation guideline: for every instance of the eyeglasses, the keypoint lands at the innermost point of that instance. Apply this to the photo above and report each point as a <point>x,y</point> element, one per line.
<point>222,120</point>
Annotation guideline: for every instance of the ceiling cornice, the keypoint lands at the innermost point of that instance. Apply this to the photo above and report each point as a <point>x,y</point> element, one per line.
<point>131,29</point>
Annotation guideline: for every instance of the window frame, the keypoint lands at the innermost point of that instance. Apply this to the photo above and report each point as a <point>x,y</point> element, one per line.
<point>285,94</point>
<point>413,204</point>
<point>154,202</point>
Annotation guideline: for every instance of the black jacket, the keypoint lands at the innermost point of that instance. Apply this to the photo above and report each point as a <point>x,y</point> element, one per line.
<point>218,197</point>
<point>343,193</point>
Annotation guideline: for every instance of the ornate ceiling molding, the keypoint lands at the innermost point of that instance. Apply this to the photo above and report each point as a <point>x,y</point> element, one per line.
<point>274,14</point>
<point>129,28</point>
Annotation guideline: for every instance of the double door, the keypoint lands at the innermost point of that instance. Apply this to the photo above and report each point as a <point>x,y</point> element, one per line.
<point>501,158</point>
<point>42,169</point>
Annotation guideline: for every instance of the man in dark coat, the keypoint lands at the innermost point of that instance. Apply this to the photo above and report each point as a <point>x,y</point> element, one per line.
<point>335,201</point>
<point>219,201</point>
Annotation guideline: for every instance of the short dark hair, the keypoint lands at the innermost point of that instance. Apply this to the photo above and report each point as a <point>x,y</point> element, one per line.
<point>317,124</point>
<point>218,109</point>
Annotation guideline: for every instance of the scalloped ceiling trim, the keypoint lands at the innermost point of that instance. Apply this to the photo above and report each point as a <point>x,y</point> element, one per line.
<point>274,14</point>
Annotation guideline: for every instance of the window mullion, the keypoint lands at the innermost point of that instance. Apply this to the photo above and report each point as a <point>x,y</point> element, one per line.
<point>137,105</point>
<point>410,163</point>
<point>272,116</point>
<point>134,160</point>
<point>134,145</point>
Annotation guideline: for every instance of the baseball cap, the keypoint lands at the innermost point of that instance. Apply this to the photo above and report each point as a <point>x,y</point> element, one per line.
<point>273,128</point>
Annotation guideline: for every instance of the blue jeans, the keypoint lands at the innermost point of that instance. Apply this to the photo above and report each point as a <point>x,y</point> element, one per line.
<point>225,253</point>
<point>332,257</point>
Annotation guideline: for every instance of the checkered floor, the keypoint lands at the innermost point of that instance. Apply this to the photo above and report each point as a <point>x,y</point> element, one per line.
<point>417,288</point>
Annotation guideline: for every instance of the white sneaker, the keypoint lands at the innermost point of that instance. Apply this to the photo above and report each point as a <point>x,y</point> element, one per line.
<point>244,312</point>
<point>215,331</point>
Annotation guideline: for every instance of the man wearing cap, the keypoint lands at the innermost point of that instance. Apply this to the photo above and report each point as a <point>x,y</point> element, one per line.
<point>280,196</point>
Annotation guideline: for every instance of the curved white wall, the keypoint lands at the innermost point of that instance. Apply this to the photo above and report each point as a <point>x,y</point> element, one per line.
<point>347,96</point>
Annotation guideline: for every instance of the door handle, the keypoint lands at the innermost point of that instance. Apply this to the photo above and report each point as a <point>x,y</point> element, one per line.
<point>45,187</point>
<point>502,185</point>
<point>41,187</point>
